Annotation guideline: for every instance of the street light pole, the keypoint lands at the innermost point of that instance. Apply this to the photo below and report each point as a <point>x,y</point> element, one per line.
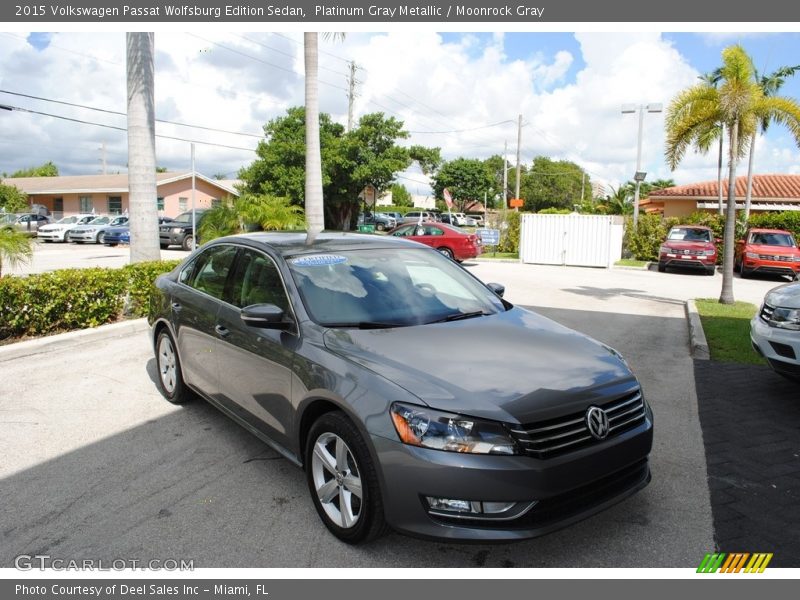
<point>639,176</point>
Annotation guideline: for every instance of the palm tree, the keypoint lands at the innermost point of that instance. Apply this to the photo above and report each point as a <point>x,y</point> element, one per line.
<point>661,184</point>
<point>270,213</point>
<point>618,202</point>
<point>142,148</point>
<point>770,84</point>
<point>713,80</point>
<point>15,248</point>
<point>738,104</point>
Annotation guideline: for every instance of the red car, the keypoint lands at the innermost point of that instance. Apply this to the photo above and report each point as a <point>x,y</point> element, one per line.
<point>689,246</point>
<point>447,239</point>
<point>771,251</point>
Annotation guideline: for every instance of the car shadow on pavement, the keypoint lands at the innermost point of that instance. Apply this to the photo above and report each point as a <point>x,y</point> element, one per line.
<point>604,293</point>
<point>751,427</point>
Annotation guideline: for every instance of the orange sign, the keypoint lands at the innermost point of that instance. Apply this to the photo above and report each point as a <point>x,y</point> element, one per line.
<point>516,203</point>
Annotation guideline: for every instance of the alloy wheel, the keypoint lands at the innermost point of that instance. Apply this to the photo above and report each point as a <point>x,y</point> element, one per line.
<point>337,480</point>
<point>166,364</point>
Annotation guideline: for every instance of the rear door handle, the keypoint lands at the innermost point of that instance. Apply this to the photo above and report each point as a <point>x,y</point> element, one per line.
<point>222,331</point>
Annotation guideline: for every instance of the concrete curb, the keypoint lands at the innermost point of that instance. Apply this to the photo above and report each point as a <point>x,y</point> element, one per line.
<point>631,268</point>
<point>494,260</point>
<point>71,339</point>
<point>697,337</point>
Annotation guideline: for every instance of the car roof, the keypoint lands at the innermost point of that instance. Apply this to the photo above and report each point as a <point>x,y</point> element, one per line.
<point>692,226</point>
<point>292,243</point>
<point>764,230</point>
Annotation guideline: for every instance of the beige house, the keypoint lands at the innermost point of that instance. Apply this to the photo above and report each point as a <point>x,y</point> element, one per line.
<point>769,193</point>
<point>108,194</point>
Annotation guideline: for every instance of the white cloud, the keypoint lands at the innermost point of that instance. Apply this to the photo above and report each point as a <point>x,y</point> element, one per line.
<point>237,82</point>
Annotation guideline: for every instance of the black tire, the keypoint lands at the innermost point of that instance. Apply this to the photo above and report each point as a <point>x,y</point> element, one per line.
<point>166,357</point>
<point>101,237</point>
<point>447,252</point>
<point>164,246</point>
<point>67,237</point>
<point>745,273</point>
<point>380,227</point>
<point>737,266</point>
<point>369,523</point>
<point>662,267</point>
<point>112,244</point>
<point>186,244</point>
<point>711,270</point>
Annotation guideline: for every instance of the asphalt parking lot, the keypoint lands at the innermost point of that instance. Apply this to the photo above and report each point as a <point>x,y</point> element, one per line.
<point>96,464</point>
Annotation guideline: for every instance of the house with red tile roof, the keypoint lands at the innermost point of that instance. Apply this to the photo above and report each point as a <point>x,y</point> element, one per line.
<point>769,193</point>
<point>68,195</point>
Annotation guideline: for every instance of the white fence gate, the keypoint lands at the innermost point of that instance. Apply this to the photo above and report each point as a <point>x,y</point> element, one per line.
<point>576,240</point>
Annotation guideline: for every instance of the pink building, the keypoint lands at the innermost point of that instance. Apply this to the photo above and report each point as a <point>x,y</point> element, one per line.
<point>108,194</point>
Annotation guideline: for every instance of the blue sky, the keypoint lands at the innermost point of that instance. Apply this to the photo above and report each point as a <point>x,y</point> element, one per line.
<point>450,89</point>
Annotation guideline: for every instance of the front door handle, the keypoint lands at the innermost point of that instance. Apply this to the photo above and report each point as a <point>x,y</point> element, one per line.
<point>176,306</point>
<point>222,331</point>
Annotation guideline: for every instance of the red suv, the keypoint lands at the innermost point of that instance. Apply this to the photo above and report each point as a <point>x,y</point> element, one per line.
<point>771,251</point>
<point>689,246</point>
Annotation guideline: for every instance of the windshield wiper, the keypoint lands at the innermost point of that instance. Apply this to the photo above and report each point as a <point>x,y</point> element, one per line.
<point>364,325</point>
<point>461,316</point>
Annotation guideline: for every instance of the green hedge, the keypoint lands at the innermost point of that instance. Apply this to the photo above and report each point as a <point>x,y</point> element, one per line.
<point>790,221</point>
<point>76,298</point>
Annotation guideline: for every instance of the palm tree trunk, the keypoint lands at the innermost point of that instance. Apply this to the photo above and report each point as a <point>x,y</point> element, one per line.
<point>749,178</point>
<point>142,209</point>
<point>719,174</point>
<point>726,295</point>
<point>315,216</point>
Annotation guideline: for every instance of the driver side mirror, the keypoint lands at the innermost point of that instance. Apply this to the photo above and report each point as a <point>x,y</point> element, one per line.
<point>497,288</point>
<point>266,316</point>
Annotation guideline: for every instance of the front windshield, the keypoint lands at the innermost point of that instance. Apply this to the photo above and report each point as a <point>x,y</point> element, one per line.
<point>99,221</point>
<point>119,221</point>
<point>185,217</point>
<point>68,220</point>
<point>388,287</point>
<point>773,239</point>
<point>689,234</point>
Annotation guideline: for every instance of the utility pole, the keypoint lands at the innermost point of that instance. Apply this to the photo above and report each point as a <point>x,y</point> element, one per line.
<point>194,215</point>
<point>519,144</point>
<point>639,175</point>
<point>351,92</point>
<point>103,157</point>
<point>505,176</point>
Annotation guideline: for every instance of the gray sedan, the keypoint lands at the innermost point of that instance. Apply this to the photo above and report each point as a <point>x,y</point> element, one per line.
<point>412,394</point>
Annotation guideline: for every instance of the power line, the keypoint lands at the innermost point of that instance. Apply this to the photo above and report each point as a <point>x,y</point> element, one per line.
<point>158,135</point>
<point>289,54</point>
<point>468,129</point>
<point>115,112</point>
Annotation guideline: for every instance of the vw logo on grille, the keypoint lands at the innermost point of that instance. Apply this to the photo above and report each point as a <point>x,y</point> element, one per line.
<point>597,422</point>
<point>686,251</point>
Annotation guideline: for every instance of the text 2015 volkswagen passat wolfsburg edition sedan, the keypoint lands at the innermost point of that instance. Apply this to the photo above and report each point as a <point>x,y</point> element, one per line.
<point>414,396</point>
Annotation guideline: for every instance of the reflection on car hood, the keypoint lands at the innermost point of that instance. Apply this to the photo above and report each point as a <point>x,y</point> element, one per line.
<point>784,296</point>
<point>772,250</point>
<point>684,245</point>
<point>511,366</point>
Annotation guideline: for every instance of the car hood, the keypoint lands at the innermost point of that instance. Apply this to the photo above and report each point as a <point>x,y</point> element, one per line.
<point>512,366</point>
<point>681,245</point>
<point>772,250</point>
<point>784,296</point>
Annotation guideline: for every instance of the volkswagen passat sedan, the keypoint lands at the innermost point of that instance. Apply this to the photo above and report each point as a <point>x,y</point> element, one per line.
<point>94,232</point>
<point>363,360</point>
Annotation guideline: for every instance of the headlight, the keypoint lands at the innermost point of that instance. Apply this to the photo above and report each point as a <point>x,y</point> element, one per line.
<point>665,249</point>
<point>710,252</point>
<point>422,426</point>
<point>786,318</point>
<point>177,229</point>
<point>751,255</point>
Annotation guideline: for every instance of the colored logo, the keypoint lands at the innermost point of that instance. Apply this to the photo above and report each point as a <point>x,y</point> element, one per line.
<point>735,562</point>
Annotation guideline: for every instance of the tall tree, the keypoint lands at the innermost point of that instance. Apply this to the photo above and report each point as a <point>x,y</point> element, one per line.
<point>12,199</point>
<point>554,184</point>
<point>142,147</point>
<point>713,79</point>
<point>48,169</point>
<point>770,84</point>
<point>467,179</point>
<point>739,104</point>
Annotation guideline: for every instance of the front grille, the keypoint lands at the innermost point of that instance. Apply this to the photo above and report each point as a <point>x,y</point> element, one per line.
<point>776,257</point>
<point>565,434</point>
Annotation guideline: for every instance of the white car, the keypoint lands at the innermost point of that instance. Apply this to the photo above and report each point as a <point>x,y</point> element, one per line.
<point>59,231</point>
<point>775,330</point>
<point>94,232</point>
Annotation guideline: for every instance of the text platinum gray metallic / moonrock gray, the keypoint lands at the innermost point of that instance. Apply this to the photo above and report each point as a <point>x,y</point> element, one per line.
<point>413,395</point>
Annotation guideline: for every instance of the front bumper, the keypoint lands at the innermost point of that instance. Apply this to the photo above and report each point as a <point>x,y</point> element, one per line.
<point>55,236</point>
<point>83,236</point>
<point>171,238</point>
<point>781,347</point>
<point>568,488</point>
<point>688,261</point>
<point>771,267</point>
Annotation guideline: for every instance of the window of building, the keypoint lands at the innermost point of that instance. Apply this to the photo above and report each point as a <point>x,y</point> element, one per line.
<point>182,204</point>
<point>58,205</point>
<point>215,202</point>
<point>86,204</point>
<point>115,205</point>
<point>160,203</point>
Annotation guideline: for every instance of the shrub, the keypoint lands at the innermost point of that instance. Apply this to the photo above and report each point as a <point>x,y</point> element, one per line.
<point>790,221</point>
<point>643,242</point>
<point>509,236</point>
<point>554,211</point>
<point>75,298</point>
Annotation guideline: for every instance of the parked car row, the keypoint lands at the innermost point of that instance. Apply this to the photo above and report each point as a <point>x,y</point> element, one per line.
<point>26,222</point>
<point>84,228</point>
<point>767,251</point>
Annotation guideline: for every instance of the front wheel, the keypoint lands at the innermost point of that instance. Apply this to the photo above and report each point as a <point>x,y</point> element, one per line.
<point>380,227</point>
<point>745,273</point>
<point>66,237</point>
<point>662,267</point>
<point>170,376</point>
<point>343,481</point>
<point>710,271</point>
<point>188,242</point>
<point>101,237</point>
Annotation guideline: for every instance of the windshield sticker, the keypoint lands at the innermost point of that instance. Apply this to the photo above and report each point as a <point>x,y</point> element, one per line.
<point>318,260</point>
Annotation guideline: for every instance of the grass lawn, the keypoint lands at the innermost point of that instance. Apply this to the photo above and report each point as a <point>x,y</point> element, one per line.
<point>727,329</point>
<point>490,254</point>
<point>631,262</point>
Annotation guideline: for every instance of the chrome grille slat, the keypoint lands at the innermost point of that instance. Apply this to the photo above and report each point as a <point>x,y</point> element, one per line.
<point>561,434</point>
